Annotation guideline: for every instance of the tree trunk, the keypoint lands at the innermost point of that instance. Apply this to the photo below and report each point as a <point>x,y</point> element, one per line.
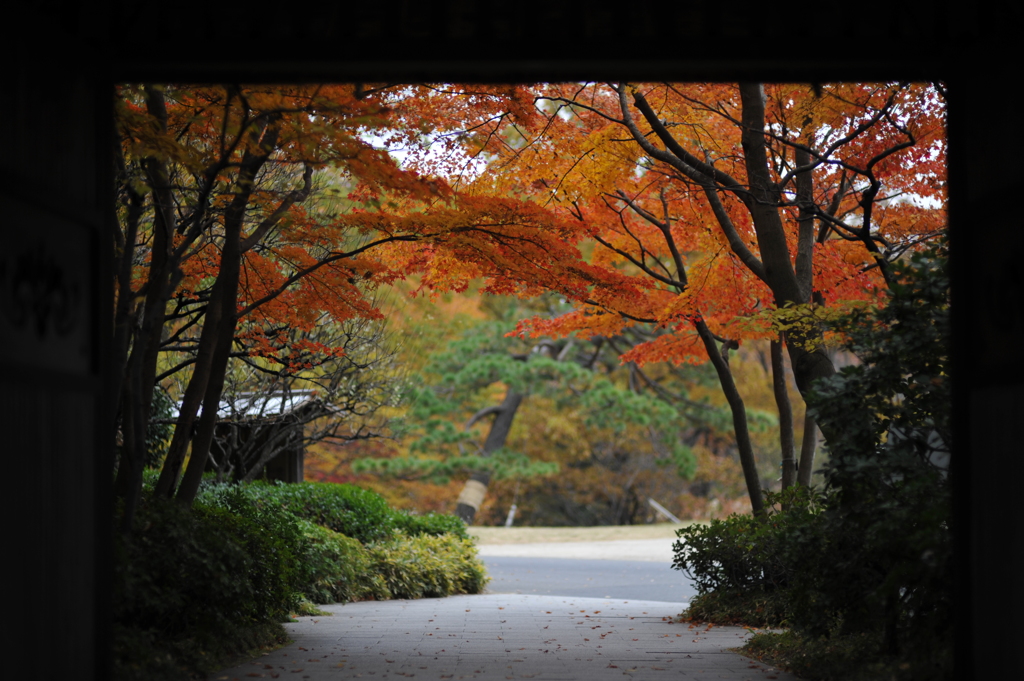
<point>764,203</point>
<point>763,199</point>
<point>125,316</point>
<point>786,438</point>
<point>227,284</point>
<point>140,368</point>
<point>807,447</point>
<point>218,333</point>
<point>475,490</point>
<point>192,399</point>
<point>128,484</point>
<point>214,387</point>
<point>739,419</point>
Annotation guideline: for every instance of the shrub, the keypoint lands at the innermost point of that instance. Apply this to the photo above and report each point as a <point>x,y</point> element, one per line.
<point>350,510</point>
<point>337,568</point>
<point>886,535</point>
<point>274,542</point>
<point>351,545</point>
<point>434,524</point>
<point>194,587</point>
<point>428,566</point>
<point>742,567</point>
<point>852,658</point>
<point>862,572</point>
<point>183,594</point>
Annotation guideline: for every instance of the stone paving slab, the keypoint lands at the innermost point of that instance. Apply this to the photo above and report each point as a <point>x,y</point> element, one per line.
<point>506,636</point>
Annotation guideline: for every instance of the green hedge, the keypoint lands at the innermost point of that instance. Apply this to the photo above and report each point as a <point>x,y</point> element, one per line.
<point>192,587</point>
<point>339,568</point>
<point>347,509</point>
<point>425,566</point>
<point>195,587</point>
<point>350,510</point>
<point>433,524</point>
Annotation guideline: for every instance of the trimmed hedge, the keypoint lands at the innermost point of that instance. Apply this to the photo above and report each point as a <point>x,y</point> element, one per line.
<point>338,568</point>
<point>425,566</point>
<point>194,588</point>
<point>433,524</point>
<point>350,510</point>
<point>428,566</point>
<point>346,509</point>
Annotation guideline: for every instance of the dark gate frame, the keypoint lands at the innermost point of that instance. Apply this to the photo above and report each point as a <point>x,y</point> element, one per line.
<point>55,182</point>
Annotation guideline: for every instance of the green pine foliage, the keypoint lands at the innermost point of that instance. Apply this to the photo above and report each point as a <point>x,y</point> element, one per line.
<point>459,382</point>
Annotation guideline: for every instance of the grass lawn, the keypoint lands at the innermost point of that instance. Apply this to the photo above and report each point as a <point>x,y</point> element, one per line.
<point>540,535</point>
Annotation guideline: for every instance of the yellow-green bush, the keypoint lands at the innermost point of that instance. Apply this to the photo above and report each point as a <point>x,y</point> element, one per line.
<point>428,567</point>
<point>341,569</point>
<point>338,568</point>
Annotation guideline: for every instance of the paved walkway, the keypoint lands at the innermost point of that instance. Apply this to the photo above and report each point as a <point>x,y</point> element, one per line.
<point>633,580</point>
<point>508,636</point>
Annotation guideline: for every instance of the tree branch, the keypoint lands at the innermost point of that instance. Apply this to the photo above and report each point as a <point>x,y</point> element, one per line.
<point>699,170</point>
<point>486,411</point>
<point>293,197</point>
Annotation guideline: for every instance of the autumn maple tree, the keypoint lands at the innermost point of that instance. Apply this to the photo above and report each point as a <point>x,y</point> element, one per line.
<point>721,212</point>
<point>230,244</point>
<point>712,213</point>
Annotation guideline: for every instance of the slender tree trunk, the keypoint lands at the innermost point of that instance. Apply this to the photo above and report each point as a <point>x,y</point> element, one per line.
<point>786,437</point>
<point>133,429</point>
<point>475,490</point>
<point>123,322</point>
<point>218,333</point>
<point>739,419</point>
<point>139,369</point>
<point>230,273</point>
<point>203,437</point>
<point>763,199</point>
<point>159,283</point>
<point>807,447</point>
<point>764,203</point>
<point>191,400</point>
<point>125,310</point>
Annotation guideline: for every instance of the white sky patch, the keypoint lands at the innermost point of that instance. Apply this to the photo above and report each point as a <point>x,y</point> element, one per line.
<point>432,154</point>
